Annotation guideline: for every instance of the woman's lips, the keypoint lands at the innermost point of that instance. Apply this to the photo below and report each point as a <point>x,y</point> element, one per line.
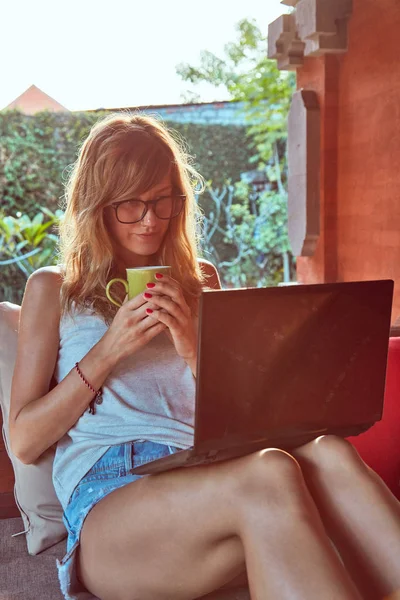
<point>147,236</point>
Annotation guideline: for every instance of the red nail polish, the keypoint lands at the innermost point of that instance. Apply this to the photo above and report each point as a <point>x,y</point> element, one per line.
<point>159,276</point>
<point>150,285</point>
<point>149,311</point>
<point>147,295</point>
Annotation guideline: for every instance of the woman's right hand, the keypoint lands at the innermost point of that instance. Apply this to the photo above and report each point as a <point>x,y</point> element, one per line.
<point>130,330</point>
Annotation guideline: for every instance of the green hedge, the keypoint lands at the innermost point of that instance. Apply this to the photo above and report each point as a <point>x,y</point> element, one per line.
<point>37,151</point>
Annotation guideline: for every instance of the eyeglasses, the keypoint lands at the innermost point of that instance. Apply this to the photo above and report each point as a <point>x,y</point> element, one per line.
<point>133,211</point>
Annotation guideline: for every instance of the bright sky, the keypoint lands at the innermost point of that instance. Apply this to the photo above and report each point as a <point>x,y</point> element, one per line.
<point>90,54</point>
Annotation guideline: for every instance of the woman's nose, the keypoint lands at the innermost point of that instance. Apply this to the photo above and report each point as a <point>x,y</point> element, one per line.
<point>150,217</point>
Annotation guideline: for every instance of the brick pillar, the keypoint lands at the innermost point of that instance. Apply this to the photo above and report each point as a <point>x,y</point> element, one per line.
<point>347,53</point>
<point>321,76</point>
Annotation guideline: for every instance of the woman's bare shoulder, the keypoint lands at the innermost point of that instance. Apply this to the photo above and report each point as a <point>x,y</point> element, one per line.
<point>211,273</point>
<point>55,271</point>
<point>48,277</point>
<point>43,289</point>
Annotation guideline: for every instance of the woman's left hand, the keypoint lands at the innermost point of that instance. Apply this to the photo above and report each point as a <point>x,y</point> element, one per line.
<point>169,307</point>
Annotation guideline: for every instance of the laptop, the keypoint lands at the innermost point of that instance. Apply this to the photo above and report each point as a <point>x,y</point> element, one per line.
<point>280,366</point>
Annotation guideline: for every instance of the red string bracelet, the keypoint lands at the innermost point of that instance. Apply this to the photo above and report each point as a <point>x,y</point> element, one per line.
<point>98,393</point>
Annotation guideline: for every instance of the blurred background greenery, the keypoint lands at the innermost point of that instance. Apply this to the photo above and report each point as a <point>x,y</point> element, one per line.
<point>244,228</point>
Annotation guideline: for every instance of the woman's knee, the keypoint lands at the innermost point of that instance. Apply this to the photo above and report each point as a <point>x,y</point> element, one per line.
<point>270,476</point>
<point>331,453</point>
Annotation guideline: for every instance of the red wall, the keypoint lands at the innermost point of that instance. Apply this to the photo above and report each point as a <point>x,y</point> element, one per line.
<point>359,95</point>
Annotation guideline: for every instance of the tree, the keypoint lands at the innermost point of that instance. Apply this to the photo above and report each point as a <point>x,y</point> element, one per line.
<point>247,75</point>
<point>255,224</point>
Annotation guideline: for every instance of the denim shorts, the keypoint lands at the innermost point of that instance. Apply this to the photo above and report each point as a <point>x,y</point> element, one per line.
<point>110,472</point>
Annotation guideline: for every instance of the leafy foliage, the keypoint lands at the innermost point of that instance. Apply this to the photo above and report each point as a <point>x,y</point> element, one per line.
<point>256,224</point>
<point>25,245</point>
<point>255,243</point>
<point>248,75</point>
<point>34,152</point>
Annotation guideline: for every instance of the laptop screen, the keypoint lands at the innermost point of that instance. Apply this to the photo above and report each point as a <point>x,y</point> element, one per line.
<point>280,361</point>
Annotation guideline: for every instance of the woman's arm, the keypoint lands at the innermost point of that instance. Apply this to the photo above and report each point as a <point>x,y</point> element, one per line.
<point>39,417</point>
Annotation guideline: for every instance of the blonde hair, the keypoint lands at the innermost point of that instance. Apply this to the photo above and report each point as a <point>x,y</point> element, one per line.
<point>123,156</point>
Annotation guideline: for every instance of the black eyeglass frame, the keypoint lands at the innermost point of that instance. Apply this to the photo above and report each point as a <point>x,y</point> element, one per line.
<point>146,206</point>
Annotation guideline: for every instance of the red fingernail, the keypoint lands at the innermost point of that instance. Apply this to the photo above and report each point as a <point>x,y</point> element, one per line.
<point>147,295</point>
<point>150,285</point>
<point>149,311</point>
<point>159,276</point>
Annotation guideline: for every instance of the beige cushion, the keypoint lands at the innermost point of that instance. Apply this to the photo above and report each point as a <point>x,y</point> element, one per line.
<point>40,509</point>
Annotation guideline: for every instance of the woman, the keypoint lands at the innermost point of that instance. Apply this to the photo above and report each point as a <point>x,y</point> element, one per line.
<point>183,533</point>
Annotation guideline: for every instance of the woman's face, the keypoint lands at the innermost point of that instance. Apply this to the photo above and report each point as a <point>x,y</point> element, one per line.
<point>136,243</point>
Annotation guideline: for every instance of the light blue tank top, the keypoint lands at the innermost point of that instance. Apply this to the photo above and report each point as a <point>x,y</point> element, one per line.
<point>148,396</point>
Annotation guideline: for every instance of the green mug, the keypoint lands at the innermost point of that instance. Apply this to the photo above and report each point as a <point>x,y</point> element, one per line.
<point>136,280</point>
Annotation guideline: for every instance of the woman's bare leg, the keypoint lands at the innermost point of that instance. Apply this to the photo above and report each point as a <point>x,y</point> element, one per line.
<point>360,513</point>
<point>182,534</point>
